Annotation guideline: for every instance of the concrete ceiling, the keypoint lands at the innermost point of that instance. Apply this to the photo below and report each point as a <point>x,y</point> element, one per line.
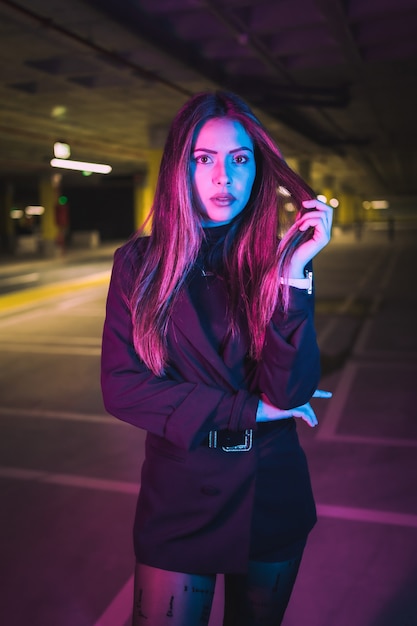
<point>334,80</point>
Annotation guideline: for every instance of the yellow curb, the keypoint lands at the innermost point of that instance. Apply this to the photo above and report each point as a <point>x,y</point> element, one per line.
<point>36,294</point>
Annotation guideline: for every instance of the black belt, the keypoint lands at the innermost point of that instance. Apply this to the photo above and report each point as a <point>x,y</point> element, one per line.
<point>229,441</point>
<point>242,440</point>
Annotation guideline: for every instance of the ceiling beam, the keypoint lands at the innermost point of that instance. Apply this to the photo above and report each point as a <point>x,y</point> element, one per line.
<point>107,54</point>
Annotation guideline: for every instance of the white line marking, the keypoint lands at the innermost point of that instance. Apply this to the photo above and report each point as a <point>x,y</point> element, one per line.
<point>330,422</point>
<point>384,355</point>
<point>60,415</point>
<point>16,280</point>
<point>41,349</point>
<point>324,510</point>
<point>367,515</point>
<point>19,473</point>
<point>83,280</point>
<point>91,311</point>
<point>120,609</point>
<point>371,441</point>
<point>97,484</point>
<point>72,309</point>
<point>61,340</point>
<point>362,338</point>
<point>347,302</point>
<point>71,302</point>
<point>55,292</point>
<point>332,416</point>
<point>19,317</point>
<point>386,277</point>
<point>70,480</point>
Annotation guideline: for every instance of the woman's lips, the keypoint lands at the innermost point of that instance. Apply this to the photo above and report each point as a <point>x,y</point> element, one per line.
<point>223,199</point>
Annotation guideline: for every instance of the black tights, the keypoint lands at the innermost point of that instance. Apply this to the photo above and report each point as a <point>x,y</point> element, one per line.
<point>261,597</point>
<point>164,598</point>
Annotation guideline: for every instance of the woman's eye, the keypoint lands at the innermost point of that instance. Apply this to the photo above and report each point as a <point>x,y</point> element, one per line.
<point>240,158</point>
<point>203,158</point>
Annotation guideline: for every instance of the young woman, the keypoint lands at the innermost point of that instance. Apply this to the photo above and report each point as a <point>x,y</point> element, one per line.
<point>209,345</point>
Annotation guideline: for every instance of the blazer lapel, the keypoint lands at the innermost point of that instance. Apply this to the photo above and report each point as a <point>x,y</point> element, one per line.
<point>186,320</point>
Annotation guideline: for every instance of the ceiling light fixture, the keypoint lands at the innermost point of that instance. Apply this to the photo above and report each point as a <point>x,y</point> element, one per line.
<point>34,210</point>
<point>81,166</point>
<point>61,150</point>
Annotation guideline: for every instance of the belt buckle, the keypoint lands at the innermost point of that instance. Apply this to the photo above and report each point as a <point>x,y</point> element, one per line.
<point>241,447</point>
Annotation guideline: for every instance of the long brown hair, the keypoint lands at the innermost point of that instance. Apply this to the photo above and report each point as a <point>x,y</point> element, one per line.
<point>255,257</point>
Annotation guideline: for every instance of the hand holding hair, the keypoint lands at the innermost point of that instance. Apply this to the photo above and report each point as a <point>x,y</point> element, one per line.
<point>317,217</point>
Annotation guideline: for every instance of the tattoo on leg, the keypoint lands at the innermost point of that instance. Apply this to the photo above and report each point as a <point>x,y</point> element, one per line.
<point>138,605</point>
<point>163,597</point>
<point>170,612</point>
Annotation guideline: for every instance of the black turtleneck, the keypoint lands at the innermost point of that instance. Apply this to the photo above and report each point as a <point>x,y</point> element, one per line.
<point>207,288</point>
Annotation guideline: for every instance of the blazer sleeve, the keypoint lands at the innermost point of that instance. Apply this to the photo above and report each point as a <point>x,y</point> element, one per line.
<point>289,371</point>
<point>182,412</point>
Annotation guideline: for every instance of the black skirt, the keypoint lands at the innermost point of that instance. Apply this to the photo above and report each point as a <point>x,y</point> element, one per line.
<point>283,509</point>
<point>209,511</point>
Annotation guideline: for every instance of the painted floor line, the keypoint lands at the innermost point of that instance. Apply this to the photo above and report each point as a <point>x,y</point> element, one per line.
<point>109,420</point>
<point>344,513</point>
<point>60,415</point>
<point>371,441</point>
<point>332,326</point>
<point>19,317</point>
<point>42,349</point>
<point>387,358</point>
<point>332,416</point>
<point>120,609</point>
<point>20,280</point>
<point>74,303</point>
<point>97,484</point>
<point>70,480</point>
<point>73,309</point>
<point>361,348</point>
<point>51,340</point>
<point>384,283</point>
<point>390,518</point>
<point>54,290</point>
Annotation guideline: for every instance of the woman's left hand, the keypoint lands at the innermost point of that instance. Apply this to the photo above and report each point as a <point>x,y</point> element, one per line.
<point>319,217</point>
<point>268,412</point>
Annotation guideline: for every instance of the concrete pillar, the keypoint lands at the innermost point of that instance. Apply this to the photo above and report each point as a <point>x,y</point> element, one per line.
<point>6,223</point>
<point>326,188</point>
<point>302,167</point>
<point>48,195</point>
<point>347,210</point>
<point>144,189</point>
<point>327,192</point>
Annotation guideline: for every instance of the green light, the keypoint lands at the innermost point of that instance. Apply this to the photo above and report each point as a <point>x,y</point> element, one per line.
<point>62,200</point>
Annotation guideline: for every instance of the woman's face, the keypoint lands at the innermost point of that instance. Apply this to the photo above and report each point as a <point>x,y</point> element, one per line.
<point>223,170</point>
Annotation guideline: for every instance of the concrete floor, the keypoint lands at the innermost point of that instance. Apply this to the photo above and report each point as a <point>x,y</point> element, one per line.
<point>69,473</point>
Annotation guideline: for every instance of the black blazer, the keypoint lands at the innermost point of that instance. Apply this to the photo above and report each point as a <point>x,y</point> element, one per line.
<point>196,504</point>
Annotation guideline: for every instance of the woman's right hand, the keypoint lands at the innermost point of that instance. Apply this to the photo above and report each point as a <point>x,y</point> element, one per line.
<point>268,412</point>
<point>318,217</point>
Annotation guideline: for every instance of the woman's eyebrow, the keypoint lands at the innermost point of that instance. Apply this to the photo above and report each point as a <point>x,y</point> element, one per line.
<point>215,151</point>
<point>241,148</point>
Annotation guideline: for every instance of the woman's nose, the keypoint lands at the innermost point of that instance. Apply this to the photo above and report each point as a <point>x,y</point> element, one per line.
<point>221,174</point>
